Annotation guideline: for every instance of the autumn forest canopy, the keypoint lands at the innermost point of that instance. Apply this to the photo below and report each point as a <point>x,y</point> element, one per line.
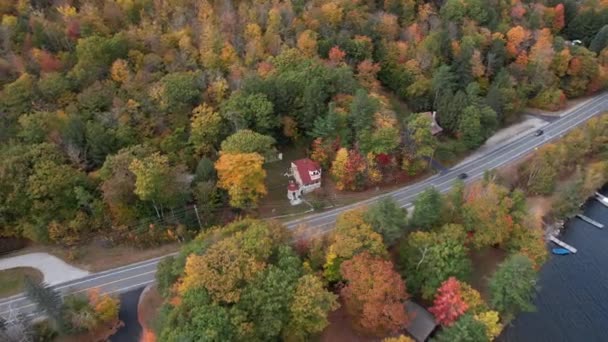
<point>115,111</point>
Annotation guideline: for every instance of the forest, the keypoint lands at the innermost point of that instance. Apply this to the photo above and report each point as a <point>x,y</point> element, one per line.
<point>117,115</point>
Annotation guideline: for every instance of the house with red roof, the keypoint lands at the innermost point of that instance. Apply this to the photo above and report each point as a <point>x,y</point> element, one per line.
<point>307,174</point>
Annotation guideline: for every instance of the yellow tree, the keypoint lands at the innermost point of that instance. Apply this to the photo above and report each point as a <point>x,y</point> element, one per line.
<point>242,175</point>
<point>351,236</point>
<point>206,127</point>
<point>491,320</point>
<point>307,43</point>
<point>338,168</point>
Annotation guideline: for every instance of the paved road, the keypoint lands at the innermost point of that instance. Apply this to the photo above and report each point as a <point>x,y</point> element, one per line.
<point>123,279</point>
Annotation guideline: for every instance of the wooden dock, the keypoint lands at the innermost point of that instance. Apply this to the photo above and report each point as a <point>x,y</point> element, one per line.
<point>590,221</point>
<point>601,198</point>
<point>562,244</point>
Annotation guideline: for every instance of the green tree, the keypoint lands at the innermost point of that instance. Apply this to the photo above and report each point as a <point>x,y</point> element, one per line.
<point>309,309</point>
<point>197,318</point>
<point>52,86</point>
<point>181,90</point>
<point>156,181</point>
<point>205,171</point>
<point>387,219</point>
<point>17,96</point>
<point>206,128</point>
<point>466,329</point>
<point>429,258</point>
<point>47,300</point>
<point>265,302</point>
<point>427,210</point>
<point>246,141</point>
<point>470,129</point>
<point>362,110</point>
<point>600,41</point>
<point>253,111</point>
<point>513,286</point>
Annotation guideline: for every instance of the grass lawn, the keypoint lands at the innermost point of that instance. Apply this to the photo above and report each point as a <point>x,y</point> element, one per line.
<point>12,280</point>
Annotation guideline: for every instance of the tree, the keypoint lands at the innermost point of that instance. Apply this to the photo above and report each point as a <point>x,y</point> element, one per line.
<point>227,266</point>
<point>600,41</point>
<point>491,320</point>
<point>448,304</point>
<point>265,302</point>
<point>388,219</point>
<point>17,96</point>
<point>352,235</point>
<point>420,143</point>
<point>472,298</point>
<point>490,214</point>
<point>513,285</point>
<point>246,141</point>
<point>466,329</point>
<point>205,128</point>
<point>569,198</point>
<point>180,91</point>
<point>307,43</point>
<point>47,299</point>
<point>197,318</point>
<point>250,111</point>
<point>104,306</point>
<point>374,295</point>
<point>243,176</point>
<point>156,181</point>
<point>440,254</point>
<point>427,210</point>
<point>309,309</point>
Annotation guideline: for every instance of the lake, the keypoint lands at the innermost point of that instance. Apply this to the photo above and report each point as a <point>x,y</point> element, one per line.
<point>572,304</point>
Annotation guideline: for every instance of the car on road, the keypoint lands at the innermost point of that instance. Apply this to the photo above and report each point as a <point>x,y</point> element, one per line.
<point>463,176</point>
<point>539,132</point>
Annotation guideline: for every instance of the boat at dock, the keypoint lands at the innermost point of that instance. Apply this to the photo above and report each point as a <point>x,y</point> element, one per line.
<point>560,251</point>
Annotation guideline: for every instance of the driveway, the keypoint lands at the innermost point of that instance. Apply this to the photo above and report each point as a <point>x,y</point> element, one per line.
<point>55,270</point>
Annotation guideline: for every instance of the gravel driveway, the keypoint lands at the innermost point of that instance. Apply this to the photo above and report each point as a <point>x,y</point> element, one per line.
<point>55,270</point>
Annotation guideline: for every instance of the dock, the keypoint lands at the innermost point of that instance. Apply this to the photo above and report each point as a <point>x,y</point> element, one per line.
<point>602,199</point>
<point>590,221</point>
<point>562,244</point>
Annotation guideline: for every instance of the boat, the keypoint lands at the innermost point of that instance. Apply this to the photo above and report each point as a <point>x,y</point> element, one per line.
<point>560,251</point>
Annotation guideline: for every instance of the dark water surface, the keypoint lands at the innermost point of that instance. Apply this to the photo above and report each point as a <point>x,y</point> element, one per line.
<point>128,314</point>
<point>572,304</point>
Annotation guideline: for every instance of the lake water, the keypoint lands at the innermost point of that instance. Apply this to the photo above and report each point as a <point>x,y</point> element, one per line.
<point>572,304</point>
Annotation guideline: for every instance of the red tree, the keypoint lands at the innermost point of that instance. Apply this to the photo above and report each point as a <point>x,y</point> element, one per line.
<point>448,304</point>
<point>374,295</point>
<point>336,56</point>
<point>559,21</point>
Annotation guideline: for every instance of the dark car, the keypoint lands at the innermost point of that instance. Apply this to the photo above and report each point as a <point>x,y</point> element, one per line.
<point>539,132</point>
<point>463,176</point>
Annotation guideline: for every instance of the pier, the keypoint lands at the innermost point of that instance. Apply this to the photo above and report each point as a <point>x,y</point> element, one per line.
<point>590,221</point>
<point>602,199</point>
<point>562,244</point>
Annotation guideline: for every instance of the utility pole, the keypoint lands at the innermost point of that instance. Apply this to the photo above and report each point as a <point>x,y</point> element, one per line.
<point>198,218</point>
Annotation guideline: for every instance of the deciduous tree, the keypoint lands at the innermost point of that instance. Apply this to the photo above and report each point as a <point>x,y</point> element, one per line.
<point>243,176</point>
<point>448,304</point>
<point>309,309</point>
<point>513,285</point>
<point>374,295</point>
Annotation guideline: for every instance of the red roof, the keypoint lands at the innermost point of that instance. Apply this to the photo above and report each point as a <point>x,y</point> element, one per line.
<point>304,167</point>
